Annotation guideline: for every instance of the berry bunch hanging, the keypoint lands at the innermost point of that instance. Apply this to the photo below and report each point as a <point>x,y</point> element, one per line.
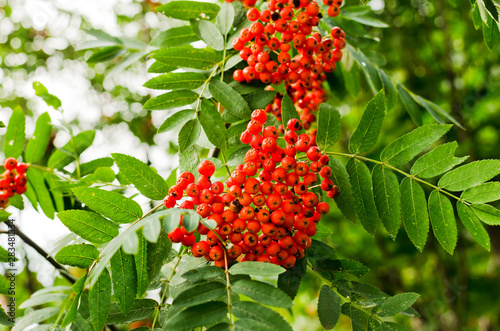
<point>267,210</point>
<point>13,180</point>
<point>287,27</point>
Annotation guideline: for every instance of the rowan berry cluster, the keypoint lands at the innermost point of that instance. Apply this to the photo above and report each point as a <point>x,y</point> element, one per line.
<point>267,210</point>
<point>13,180</point>
<point>266,47</point>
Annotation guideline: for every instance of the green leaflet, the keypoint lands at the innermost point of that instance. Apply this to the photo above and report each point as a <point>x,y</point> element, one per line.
<point>438,161</point>
<point>415,216</point>
<point>331,267</point>
<point>141,259</point>
<point>91,166</point>
<point>15,136</point>
<point>386,194</point>
<point>320,251</point>
<point>43,299</point>
<point>187,56</point>
<point>189,134</point>
<point>50,100</point>
<point>212,124</point>
<point>113,205</point>
<point>189,10</point>
<point>234,104</point>
<point>34,317</point>
<point>161,68</point>
<point>345,201</point>
<point>100,300</point>
<point>469,175</point>
<point>328,126</point>
<point>72,149</point>
<point>366,134</point>
<point>200,293</point>
<point>201,315</point>
<point>88,225</point>
<point>145,180</point>
<point>107,53</point>
<point>486,192</point>
<point>156,254</point>
<point>225,18</point>
<point>487,214</point>
<point>259,313</point>
<point>368,68</point>
<point>176,81</point>
<point>171,100</point>
<point>490,32</point>
<point>289,281</point>
<point>263,293</point>
<point>256,269</point>
<point>140,310</point>
<point>124,280</point>
<point>437,112</point>
<point>398,303</point>
<point>288,110</point>
<point>411,106</point>
<point>473,225</point>
<point>209,33</point>
<point>175,37</point>
<point>36,180</point>
<point>37,145</point>
<point>189,160</point>
<point>206,272</point>
<point>260,99</point>
<point>363,194</point>
<point>405,148</point>
<point>390,90</point>
<point>81,256</point>
<point>329,305</point>
<point>443,221</point>
<point>177,120</point>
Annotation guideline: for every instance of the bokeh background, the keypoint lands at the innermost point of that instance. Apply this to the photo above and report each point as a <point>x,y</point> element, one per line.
<point>431,46</point>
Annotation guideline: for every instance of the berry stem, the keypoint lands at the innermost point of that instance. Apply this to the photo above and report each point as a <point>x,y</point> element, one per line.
<point>228,288</point>
<point>225,162</point>
<point>362,158</point>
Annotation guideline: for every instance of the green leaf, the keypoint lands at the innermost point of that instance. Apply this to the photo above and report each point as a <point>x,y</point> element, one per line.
<point>411,106</point>
<point>363,194</point>
<point>263,293</point>
<point>437,112</point>
<point>256,312</point>
<point>171,100</point>
<point>42,299</point>
<point>189,134</point>
<point>206,272</point>
<point>66,154</point>
<point>175,37</point>
<point>106,54</point>
<point>473,225</point>
<point>36,180</point>
<point>398,303</point>
<point>161,68</point>
<point>73,310</point>
<point>81,256</point>
<point>34,317</point>
<point>390,326</point>
<point>140,310</point>
<point>201,315</point>
<point>91,166</point>
<point>110,204</point>
<point>366,134</point>
<point>405,148</point>
<point>288,110</point>
<point>386,194</point>
<point>187,56</point>
<point>491,33</point>
<point>124,280</point>
<point>50,100</point>
<point>415,216</point>
<point>212,124</point>
<point>225,18</point>
<point>476,16</point>
<point>157,253</point>
<point>491,8</point>
<point>391,93</point>
<point>438,161</point>
<point>238,156</point>
<point>4,319</point>
<point>365,20</point>
<point>189,160</point>
<point>469,175</point>
<point>4,215</point>
<point>345,201</point>
<point>190,221</point>
<point>232,101</point>
<point>189,10</point>
<point>486,192</point>
<point>100,300</point>
<point>88,225</point>
<point>177,120</point>
<point>145,180</point>
<point>256,269</point>
<point>209,34</point>
<point>328,307</point>
<point>260,99</point>
<point>140,260</point>
<point>151,230</point>
<point>320,251</point>
<point>4,255</point>
<point>369,69</point>
<point>443,221</point>
<point>37,145</point>
<point>487,214</point>
<point>15,136</point>
<point>200,293</point>
<point>328,126</point>
<point>341,266</point>
<point>176,81</point>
